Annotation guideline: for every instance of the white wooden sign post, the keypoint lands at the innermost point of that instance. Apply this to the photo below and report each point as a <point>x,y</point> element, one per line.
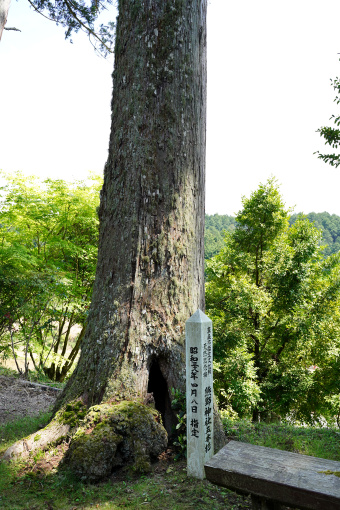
<point>199,393</point>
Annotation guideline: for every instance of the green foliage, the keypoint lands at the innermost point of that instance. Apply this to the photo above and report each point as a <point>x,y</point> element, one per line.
<point>82,15</point>
<point>48,254</point>
<point>215,227</point>
<point>236,383</point>
<point>331,135</point>
<point>178,404</point>
<point>274,303</point>
<point>318,442</point>
<point>329,225</point>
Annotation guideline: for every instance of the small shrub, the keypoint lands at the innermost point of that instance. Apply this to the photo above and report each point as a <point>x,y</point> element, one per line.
<point>178,405</point>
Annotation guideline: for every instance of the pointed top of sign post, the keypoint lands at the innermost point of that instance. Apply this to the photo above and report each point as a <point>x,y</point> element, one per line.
<point>199,316</point>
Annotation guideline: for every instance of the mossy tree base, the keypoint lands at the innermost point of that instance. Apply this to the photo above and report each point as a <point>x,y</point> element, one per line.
<point>106,437</point>
<point>113,436</point>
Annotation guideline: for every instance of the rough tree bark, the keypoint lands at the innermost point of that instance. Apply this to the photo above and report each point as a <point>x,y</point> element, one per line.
<point>150,272</point>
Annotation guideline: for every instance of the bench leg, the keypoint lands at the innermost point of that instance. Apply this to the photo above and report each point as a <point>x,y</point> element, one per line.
<point>260,503</point>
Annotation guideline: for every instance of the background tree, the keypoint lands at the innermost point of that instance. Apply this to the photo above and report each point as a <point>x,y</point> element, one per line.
<point>329,225</point>
<point>331,135</point>
<point>215,226</point>
<point>273,300</point>
<point>48,251</point>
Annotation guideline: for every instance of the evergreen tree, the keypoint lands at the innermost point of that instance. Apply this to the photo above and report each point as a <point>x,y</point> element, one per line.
<point>331,134</point>
<point>274,300</point>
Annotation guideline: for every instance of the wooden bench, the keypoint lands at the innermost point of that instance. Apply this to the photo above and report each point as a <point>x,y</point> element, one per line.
<point>275,478</point>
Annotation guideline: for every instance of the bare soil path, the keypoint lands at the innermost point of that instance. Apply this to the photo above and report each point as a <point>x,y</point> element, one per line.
<point>19,398</point>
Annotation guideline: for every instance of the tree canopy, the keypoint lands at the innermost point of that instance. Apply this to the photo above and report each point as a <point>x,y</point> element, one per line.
<point>274,303</point>
<point>216,225</point>
<point>331,134</point>
<point>329,225</point>
<point>48,254</point>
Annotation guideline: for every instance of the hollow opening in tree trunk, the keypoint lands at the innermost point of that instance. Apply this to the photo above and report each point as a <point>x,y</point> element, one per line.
<point>158,386</point>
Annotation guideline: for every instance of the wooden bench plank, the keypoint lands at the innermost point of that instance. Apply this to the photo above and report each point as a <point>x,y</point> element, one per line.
<point>288,478</point>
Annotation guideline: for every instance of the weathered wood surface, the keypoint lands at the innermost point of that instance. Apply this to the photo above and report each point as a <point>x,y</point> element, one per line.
<point>288,478</point>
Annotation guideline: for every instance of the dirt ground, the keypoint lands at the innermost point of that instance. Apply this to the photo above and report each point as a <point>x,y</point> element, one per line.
<point>18,399</point>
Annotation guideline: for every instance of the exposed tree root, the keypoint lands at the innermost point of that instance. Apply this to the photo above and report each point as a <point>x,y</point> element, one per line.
<point>52,434</point>
<point>100,438</point>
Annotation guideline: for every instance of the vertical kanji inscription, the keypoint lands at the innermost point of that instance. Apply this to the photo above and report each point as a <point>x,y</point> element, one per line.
<point>199,393</point>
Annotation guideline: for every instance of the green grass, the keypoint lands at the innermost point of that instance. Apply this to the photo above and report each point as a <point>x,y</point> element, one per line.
<point>9,372</point>
<point>33,376</point>
<point>315,441</point>
<point>166,487</point>
<point>17,429</point>
<point>169,491</point>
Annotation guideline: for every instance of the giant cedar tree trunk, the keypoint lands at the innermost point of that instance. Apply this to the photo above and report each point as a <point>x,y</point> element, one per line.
<point>150,274</point>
